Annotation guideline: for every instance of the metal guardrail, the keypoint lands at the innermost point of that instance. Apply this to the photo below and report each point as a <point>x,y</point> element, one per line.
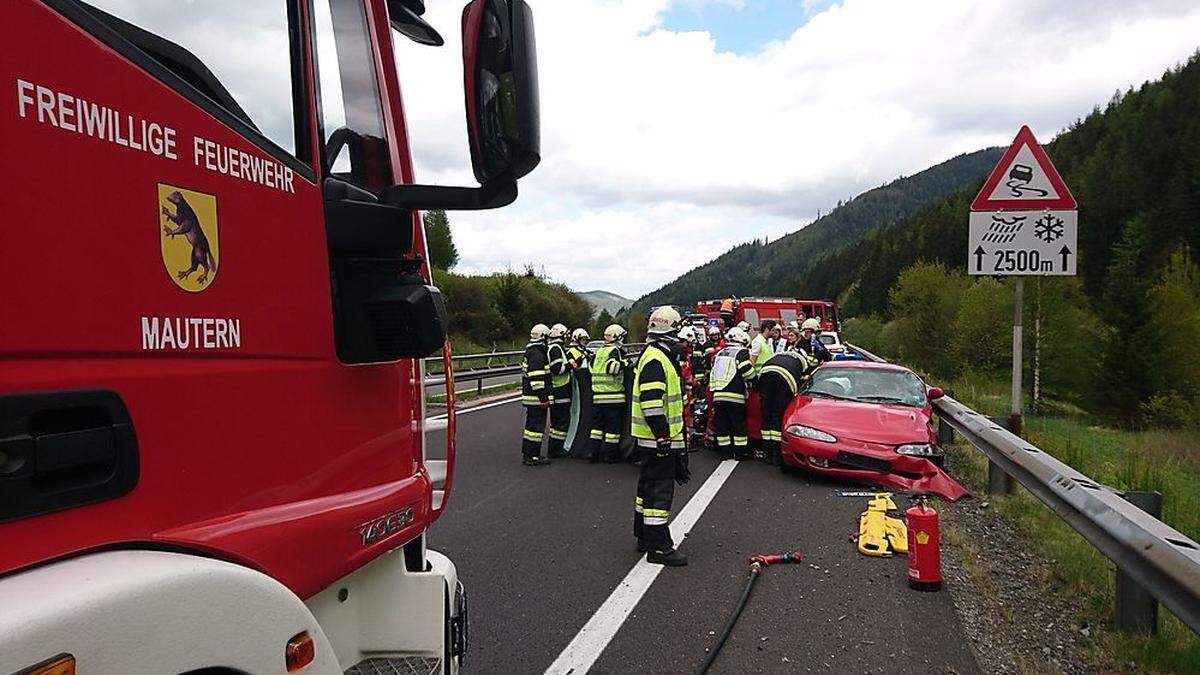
<point>1158,558</point>
<point>490,372</point>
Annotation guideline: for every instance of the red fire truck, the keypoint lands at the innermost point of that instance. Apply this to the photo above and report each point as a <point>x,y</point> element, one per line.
<point>215,303</point>
<point>755,309</point>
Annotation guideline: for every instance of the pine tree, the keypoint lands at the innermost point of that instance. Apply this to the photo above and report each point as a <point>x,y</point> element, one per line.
<point>443,254</point>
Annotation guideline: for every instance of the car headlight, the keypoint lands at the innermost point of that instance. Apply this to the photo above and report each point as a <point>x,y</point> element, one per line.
<point>917,449</point>
<point>801,431</point>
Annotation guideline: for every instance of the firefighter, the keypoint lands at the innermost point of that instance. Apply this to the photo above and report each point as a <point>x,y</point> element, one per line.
<point>810,340</point>
<point>581,393</point>
<point>731,375</point>
<point>535,396</point>
<point>608,396</point>
<point>657,428</point>
<point>577,353</point>
<point>716,341</point>
<point>683,348</point>
<point>762,348</point>
<point>781,377</point>
<point>701,358</point>
<point>560,389</point>
<point>727,308</point>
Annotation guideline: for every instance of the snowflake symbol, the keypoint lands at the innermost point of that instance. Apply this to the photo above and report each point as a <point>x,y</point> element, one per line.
<point>1048,228</point>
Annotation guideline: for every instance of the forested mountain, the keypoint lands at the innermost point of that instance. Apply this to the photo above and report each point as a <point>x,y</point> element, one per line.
<point>1123,339</point>
<point>1133,166</point>
<point>605,301</point>
<point>778,267</point>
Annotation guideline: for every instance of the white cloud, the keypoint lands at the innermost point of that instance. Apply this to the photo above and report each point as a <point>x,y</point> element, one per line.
<point>660,152</point>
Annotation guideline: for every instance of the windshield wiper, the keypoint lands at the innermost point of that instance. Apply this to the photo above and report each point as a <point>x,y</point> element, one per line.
<point>826,394</point>
<point>883,399</point>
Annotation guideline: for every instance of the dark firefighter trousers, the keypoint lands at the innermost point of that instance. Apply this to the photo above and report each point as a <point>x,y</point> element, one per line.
<point>606,431</point>
<point>535,428</point>
<point>652,506</point>
<point>560,420</point>
<point>774,397</point>
<point>729,423</point>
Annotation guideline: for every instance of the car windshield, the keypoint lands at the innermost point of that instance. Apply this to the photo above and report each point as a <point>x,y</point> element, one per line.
<point>828,339</point>
<point>868,385</point>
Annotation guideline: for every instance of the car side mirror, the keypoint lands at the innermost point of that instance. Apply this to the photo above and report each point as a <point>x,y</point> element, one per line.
<point>503,120</point>
<point>935,393</point>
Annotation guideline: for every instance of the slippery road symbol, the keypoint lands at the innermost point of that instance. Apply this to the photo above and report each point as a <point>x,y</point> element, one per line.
<point>1019,178</point>
<point>1004,230</point>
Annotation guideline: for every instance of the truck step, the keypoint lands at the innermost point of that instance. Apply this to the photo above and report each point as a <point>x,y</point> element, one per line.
<point>397,665</point>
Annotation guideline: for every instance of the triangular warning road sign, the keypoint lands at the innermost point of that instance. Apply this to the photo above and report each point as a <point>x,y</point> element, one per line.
<point>1024,179</point>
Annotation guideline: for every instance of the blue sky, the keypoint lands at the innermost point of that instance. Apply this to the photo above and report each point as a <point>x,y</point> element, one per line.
<point>743,26</point>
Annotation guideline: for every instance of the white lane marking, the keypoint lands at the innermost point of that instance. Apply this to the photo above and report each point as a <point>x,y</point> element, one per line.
<point>438,422</point>
<point>590,641</point>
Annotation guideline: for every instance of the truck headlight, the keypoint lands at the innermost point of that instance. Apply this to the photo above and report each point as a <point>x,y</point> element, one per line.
<point>917,449</point>
<point>801,431</point>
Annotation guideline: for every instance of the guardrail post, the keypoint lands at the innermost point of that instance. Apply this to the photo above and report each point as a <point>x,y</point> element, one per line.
<point>1136,611</point>
<point>945,433</point>
<point>479,387</point>
<point>1000,483</point>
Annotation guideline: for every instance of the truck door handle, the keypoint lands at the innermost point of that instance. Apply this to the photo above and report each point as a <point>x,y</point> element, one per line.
<point>73,450</point>
<point>64,449</point>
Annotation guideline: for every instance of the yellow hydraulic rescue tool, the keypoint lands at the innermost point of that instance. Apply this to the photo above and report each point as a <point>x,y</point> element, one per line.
<point>878,533</point>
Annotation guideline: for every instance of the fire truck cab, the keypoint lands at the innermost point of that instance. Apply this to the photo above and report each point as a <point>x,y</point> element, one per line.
<point>215,305</point>
<point>752,310</point>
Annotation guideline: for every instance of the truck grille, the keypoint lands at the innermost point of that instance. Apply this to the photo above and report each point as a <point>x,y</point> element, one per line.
<point>397,665</point>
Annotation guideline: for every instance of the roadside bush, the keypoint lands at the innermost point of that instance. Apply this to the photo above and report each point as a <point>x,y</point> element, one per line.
<point>926,297</point>
<point>980,339</point>
<point>864,331</point>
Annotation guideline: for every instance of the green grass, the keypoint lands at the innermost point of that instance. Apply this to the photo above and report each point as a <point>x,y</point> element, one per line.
<point>466,396</point>
<point>1164,461</point>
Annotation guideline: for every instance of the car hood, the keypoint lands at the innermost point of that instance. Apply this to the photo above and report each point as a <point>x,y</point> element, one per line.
<point>869,422</point>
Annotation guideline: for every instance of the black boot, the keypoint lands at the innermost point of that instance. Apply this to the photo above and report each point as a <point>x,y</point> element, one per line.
<point>642,547</point>
<point>535,461</point>
<point>669,557</point>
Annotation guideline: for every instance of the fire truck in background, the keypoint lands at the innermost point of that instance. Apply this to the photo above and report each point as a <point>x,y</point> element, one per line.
<point>755,309</point>
<point>216,299</point>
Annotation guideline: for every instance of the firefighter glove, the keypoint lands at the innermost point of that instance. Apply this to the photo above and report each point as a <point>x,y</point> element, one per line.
<point>682,473</point>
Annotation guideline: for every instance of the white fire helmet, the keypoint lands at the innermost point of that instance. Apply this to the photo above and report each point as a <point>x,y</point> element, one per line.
<point>744,325</point>
<point>738,335</point>
<point>687,334</point>
<point>580,335</point>
<point>558,331</point>
<point>714,332</point>
<point>538,332</point>
<point>811,324</point>
<point>614,333</point>
<point>663,321</point>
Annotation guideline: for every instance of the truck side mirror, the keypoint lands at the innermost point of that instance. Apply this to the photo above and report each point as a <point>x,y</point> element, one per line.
<point>503,122</point>
<point>500,83</point>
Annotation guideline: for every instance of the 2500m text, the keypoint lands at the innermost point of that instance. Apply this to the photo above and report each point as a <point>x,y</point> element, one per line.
<point>1021,261</point>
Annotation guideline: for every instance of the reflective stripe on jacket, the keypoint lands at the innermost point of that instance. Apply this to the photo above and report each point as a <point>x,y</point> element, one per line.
<point>654,397</point>
<point>608,383</point>
<point>730,373</point>
<point>560,374</point>
<point>535,378</point>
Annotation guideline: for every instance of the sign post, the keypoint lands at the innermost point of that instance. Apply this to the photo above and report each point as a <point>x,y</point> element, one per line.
<point>1024,222</point>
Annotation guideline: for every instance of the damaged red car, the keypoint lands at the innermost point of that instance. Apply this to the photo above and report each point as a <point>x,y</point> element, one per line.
<point>869,423</point>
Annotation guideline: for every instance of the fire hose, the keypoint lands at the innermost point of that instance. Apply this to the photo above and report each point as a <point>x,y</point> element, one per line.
<point>757,563</point>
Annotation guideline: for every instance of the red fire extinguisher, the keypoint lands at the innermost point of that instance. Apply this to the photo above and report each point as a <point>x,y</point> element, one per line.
<point>924,556</point>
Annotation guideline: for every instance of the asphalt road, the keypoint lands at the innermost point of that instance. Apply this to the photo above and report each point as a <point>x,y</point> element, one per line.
<point>541,548</point>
